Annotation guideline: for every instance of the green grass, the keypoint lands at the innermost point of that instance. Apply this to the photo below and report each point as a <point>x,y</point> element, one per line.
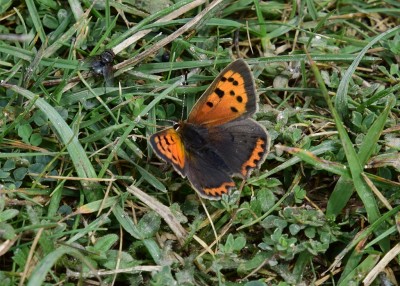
<point>83,198</point>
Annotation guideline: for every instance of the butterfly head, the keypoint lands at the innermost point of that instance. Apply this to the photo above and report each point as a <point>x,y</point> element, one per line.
<point>177,125</point>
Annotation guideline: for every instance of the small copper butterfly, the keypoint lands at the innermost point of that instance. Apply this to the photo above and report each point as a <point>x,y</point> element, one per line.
<point>219,139</point>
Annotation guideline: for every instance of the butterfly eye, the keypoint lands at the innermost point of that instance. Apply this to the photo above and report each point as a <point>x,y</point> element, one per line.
<point>176,126</point>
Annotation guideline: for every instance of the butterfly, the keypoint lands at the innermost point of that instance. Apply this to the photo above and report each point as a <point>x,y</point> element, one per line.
<point>219,139</point>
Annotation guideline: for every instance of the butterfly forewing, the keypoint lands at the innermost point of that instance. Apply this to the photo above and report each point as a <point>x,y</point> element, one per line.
<point>168,146</point>
<point>231,95</point>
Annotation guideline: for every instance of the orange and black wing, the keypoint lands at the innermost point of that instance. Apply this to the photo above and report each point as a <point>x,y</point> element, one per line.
<point>167,144</point>
<point>232,95</point>
<point>243,144</point>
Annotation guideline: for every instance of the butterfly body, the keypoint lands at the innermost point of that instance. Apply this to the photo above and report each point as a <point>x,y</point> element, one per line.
<point>219,139</point>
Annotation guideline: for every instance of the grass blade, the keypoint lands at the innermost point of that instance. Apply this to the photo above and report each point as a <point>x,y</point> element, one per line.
<point>83,167</point>
<point>344,187</point>
<point>33,13</point>
<point>341,103</point>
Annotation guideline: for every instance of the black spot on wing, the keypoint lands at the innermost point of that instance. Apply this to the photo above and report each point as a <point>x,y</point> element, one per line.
<point>219,92</point>
<point>167,141</point>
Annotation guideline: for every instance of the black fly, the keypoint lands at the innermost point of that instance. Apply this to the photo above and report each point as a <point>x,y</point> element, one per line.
<point>102,65</point>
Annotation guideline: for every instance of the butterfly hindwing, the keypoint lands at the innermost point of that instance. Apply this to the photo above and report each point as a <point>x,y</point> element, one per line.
<point>243,144</point>
<point>167,144</point>
<point>208,179</point>
<point>231,95</point>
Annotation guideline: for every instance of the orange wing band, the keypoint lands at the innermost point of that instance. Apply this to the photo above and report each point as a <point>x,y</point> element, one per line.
<point>255,157</point>
<point>218,191</point>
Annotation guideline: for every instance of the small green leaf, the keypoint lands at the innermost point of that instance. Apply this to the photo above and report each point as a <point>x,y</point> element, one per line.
<point>40,118</point>
<point>25,131</point>
<point>36,139</point>
<point>9,165</point>
<point>239,243</point>
<point>356,119</point>
<point>149,224</point>
<point>299,194</point>
<point>154,250</point>
<point>106,242</point>
<point>310,232</point>
<point>294,229</point>
<point>122,259</point>
<point>4,175</point>
<point>8,214</point>
<point>4,5</point>
<point>255,262</point>
<point>50,22</point>
<point>36,168</point>
<point>48,4</point>
<point>163,277</point>
<point>126,222</point>
<point>6,231</point>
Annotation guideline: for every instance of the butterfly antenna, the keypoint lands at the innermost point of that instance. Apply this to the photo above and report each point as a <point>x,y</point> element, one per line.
<point>236,42</point>
<point>184,82</point>
<point>167,120</point>
<point>183,105</point>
